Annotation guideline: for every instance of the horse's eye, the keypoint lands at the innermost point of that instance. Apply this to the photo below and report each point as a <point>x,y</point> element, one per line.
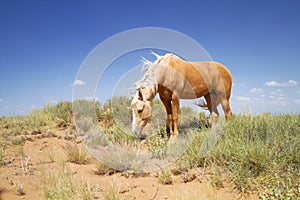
<point>140,111</point>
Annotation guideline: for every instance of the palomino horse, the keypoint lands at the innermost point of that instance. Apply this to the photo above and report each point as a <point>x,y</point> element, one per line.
<point>174,79</point>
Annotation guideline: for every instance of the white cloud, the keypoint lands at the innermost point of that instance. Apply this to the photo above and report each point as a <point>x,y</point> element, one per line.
<point>272,83</point>
<point>289,83</point>
<point>257,90</point>
<point>242,99</point>
<point>3,101</point>
<point>279,100</point>
<point>79,83</point>
<point>278,93</point>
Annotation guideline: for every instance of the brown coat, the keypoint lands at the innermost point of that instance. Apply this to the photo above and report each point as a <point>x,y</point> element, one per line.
<point>178,79</point>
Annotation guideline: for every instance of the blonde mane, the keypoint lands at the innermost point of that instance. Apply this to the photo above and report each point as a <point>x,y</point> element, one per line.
<point>151,70</point>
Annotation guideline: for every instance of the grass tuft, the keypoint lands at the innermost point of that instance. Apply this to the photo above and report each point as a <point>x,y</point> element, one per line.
<point>165,178</point>
<point>112,193</point>
<point>20,191</point>
<point>17,140</point>
<point>63,186</point>
<point>76,155</point>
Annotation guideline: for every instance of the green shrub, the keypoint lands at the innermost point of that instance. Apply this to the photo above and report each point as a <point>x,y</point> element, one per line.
<point>17,140</point>
<point>165,178</point>
<point>251,147</point>
<point>61,113</point>
<point>276,185</point>
<point>2,154</point>
<point>157,144</point>
<point>38,119</point>
<point>85,109</point>
<point>16,124</point>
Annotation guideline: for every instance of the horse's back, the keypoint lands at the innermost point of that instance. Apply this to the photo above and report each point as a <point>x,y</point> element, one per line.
<point>195,79</point>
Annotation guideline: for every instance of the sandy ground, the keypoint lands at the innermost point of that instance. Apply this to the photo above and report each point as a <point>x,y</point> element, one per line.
<point>26,166</point>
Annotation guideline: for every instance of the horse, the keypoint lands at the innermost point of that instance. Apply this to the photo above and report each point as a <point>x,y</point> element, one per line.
<point>173,79</point>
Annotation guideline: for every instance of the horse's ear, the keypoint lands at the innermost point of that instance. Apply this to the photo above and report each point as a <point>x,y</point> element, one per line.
<point>132,96</point>
<point>140,94</point>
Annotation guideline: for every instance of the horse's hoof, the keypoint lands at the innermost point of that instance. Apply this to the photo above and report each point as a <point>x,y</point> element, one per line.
<point>172,138</point>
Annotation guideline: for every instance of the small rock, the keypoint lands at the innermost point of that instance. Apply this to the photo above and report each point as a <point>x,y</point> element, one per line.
<point>68,137</point>
<point>27,133</point>
<point>49,134</point>
<point>123,190</point>
<point>133,186</point>
<point>28,138</point>
<point>38,137</point>
<point>36,132</point>
<point>176,172</point>
<point>188,178</point>
<point>78,141</point>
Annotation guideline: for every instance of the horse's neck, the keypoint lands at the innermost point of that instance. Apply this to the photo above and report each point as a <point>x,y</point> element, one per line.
<point>154,89</point>
<point>151,85</point>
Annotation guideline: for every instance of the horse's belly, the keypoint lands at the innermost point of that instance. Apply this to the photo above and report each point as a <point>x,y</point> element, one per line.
<point>191,90</point>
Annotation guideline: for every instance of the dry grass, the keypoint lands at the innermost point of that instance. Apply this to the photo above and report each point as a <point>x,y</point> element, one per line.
<point>253,152</point>
<point>253,148</point>
<point>64,186</point>
<point>76,154</point>
<point>20,191</point>
<point>112,193</point>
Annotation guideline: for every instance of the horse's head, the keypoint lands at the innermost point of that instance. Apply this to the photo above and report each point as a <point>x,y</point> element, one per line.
<point>141,110</point>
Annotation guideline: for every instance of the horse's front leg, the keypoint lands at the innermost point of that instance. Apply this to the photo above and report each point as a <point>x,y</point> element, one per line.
<point>175,116</point>
<point>168,105</point>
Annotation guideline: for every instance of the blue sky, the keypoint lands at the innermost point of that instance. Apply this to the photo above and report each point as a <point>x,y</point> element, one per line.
<point>43,43</point>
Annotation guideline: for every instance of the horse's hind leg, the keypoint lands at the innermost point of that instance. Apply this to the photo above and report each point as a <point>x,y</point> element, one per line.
<point>226,108</point>
<point>211,100</point>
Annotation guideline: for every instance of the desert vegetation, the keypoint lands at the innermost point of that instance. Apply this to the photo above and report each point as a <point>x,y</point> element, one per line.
<point>256,155</point>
